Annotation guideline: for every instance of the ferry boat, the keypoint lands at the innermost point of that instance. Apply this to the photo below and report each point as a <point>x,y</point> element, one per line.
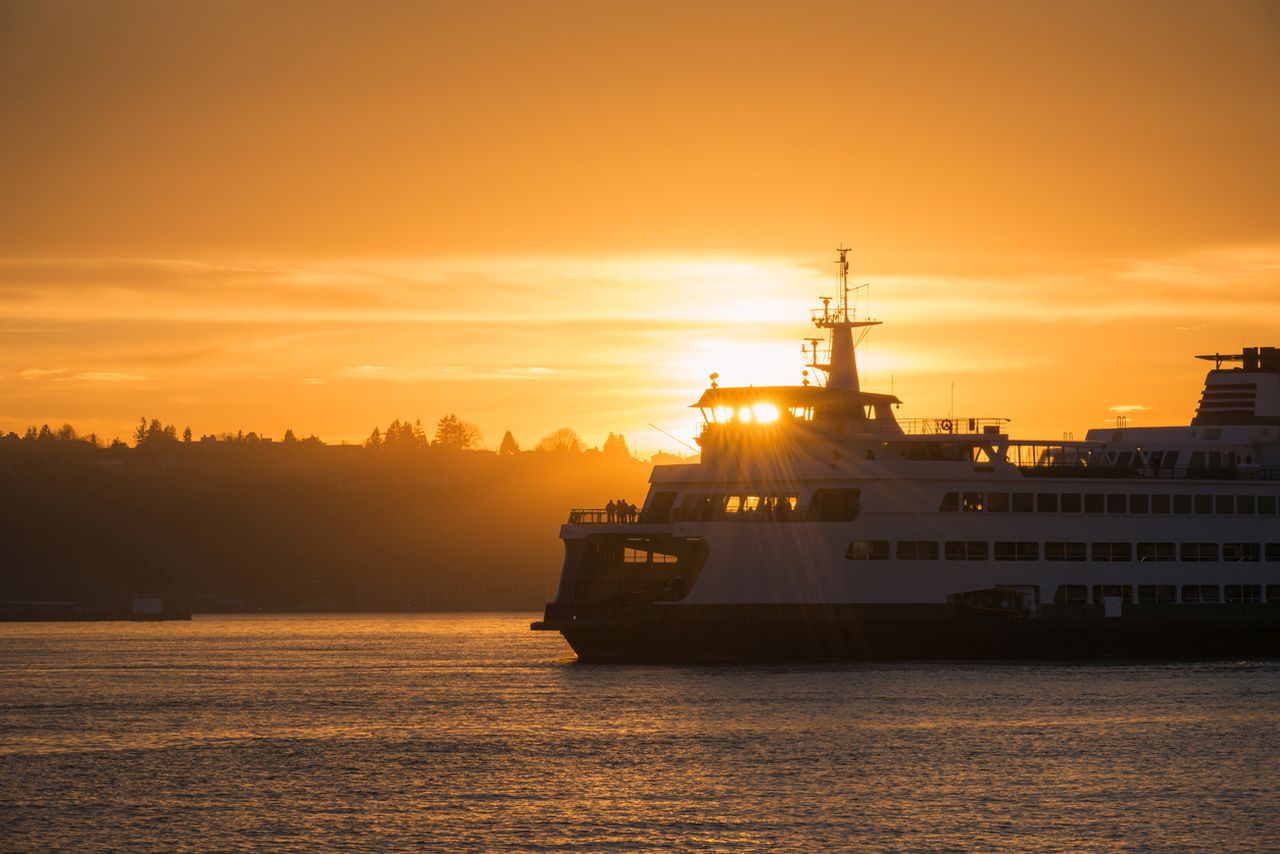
<point>819,526</point>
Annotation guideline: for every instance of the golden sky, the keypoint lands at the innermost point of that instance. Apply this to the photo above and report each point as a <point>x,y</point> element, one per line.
<point>328,215</point>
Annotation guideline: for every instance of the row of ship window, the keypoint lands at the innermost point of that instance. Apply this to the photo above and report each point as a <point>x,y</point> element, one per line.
<point>1064,551</point>
<point>1157,594</point>
<point>1100,502</point>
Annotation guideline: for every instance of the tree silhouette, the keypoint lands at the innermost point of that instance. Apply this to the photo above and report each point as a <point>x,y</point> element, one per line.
<point>452,432</point>
<point>563,440</point>
<point>374,440</point>
<point>153,433</point>
<point>616,446</point>
<point>186,434</point>
<point>509,445</point>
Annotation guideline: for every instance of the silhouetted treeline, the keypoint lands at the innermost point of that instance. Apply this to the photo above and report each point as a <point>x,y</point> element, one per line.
<point>240,522</point>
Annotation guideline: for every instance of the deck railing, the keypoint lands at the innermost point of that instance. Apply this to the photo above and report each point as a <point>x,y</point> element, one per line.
<point>602,516</point>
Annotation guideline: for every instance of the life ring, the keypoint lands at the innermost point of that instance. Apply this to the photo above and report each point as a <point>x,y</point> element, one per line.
<point>946,425</point>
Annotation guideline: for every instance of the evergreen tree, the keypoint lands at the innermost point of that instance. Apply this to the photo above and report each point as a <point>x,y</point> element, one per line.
<point>616,446</point>
<point>508,446</point>
<point>186,434</point>
<point>453,432</point>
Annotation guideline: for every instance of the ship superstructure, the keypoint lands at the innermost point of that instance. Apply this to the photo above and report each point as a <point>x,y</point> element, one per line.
<point>818,525</point>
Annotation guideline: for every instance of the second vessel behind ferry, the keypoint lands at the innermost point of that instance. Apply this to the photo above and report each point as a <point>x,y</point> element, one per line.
<point>818,526</point>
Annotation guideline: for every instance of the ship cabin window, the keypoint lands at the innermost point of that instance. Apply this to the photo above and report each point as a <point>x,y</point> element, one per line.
<point>1204,504</point>
<point>1273,552</point>
<point>1161,504</point>
<point>867,550</point>
<point>1017,551</point>
<point>835,505</point>
<point>1046,502</point>
<point>1242,593</point>
<point>1246,505</point>
<point>1138,503</point>
<point>1157,594</point>
<point>1182,504</point>
<point>950,503</point>
<point>1023,502</point>
<point>1071,594</point>
<point>1224,504</point>
<point>1241,552</point>
<point>1071,502</point>
<point>1112,552</point>
<point>1273,594</point>
<point>997,502</point>
<point>1199,552</point>
<point>1267,505</point>
<point>1157,552</point>
<point>1106,591</point>
<point>1064,551</point>
<point>1115,503</point>
<point>734,504</point>
<point>1093,502</point>
<point>971,502</point>
<point>965,550</point>
<point>634,555</point>
<point>917,550</point>
<point>1195,594</point>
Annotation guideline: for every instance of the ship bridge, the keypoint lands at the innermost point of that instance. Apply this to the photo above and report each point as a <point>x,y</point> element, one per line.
<point>836,408</point>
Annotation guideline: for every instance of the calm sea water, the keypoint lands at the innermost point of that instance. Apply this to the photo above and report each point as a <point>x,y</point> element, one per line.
<point>450,732</point>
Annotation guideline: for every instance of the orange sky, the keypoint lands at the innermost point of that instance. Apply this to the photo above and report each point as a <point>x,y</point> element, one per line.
<point>325,216</point>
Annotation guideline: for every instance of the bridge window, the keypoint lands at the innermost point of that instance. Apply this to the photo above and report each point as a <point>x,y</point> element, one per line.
<point>1017,551</point>
<point>1224,504</point>
<point>1046,502</point>
<point>1071,502</point>
<point>1161,504</point>
<point>997,502</point>
<point>1064,551</point>
<point>972,502</point>
<point>1138,503</point>
<point>917,550</point>
<point>1241,552</point>
<point>1093,502</point>
<point>1204,504</point>
<point>966,550</point>
<point>1182,504</point>
<point>1115,504</point>
<point>1242,593</point>
<point>1157,594</point>
<point>1200,552</point>
<point>867,550</point>
<point>1246,505</point>
<point>950,503</point>
<point>1023,502</point>
<point>1157,552</point>
<point>1112,551</point>
<point>1273,552</point>
<point>1267,505</point>
<point>1071,594</point>
<point>1195,594</point>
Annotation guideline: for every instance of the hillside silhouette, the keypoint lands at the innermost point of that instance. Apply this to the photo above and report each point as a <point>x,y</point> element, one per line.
<point>406,521</point>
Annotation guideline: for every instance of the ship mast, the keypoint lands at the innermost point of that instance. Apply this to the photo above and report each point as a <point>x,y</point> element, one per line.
<point>842,367</point>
